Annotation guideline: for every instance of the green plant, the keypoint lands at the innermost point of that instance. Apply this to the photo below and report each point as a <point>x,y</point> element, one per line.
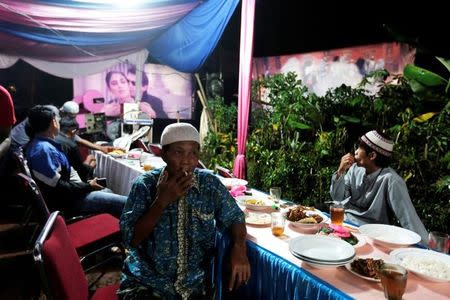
<point>219,146</point>
<point>297,139</point>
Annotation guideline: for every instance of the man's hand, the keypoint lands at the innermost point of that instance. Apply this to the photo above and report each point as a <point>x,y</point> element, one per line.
<point>106,149</point>
<point>90,161</point>
<point>346,162</point>
<point>95,186</point>
<point>240,267</point>
<point>171,189</point>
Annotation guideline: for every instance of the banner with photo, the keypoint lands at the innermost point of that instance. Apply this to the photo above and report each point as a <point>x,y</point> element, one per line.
<point>164,94</point>
<point>323,70</point>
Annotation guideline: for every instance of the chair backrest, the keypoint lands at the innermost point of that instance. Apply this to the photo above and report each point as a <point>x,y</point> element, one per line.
<point>59,266</point>
<point>21,162</point>
<point>224,172</point>
<point>139,144</point>
<point>35,193</point>
<point>155,149</point>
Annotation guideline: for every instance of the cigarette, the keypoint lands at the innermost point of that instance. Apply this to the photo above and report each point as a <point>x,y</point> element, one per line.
<point>186,173</point>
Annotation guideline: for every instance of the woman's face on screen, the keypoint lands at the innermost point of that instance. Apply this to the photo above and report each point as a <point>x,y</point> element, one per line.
<point>118,85</point>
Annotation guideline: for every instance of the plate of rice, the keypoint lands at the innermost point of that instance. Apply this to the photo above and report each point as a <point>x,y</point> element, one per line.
<point>426,264</point>
<point>255,202</point>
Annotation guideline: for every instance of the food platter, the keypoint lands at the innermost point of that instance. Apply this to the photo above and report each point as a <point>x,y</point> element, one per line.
<point>344,233</point>
<point>257,219</point>
<point>231,182</point>
<point>349,268</point>
<point>309,226</point>
<point>255,202</point>
<point>427,264</point>
<point>117,153</point>
<point>390,236</point>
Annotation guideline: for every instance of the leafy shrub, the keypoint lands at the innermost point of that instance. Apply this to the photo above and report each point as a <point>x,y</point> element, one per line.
<point>297,141</point>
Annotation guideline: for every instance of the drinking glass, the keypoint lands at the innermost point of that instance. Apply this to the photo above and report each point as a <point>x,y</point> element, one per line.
<point>393,278</point>
<point>438,241</point>
<point>278,222</point>
<point>337,212</point>
<point>275,194</point>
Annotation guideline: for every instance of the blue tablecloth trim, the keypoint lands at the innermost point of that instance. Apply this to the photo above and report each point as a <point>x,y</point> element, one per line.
<point>273,277</point>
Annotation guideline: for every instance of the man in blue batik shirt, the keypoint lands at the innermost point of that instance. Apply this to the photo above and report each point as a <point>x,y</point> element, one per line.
<point>169,224</point>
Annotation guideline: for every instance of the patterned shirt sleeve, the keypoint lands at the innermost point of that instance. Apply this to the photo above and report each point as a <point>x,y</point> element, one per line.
<point>137,204</point>
<point>227,212</point>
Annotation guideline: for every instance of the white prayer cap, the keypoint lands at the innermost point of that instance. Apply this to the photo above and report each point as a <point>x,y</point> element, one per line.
<point>179,132</point>
<point>70,107</point>
<point>378,143</point>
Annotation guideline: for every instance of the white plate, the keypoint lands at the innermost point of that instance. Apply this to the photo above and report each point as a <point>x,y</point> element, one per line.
<point>322,248</point>
<point>265,202</point>
<point>361,240</point>
<point>322,266</point>
<point>258,219</point>
<point>230,182</point>
<point>415,255</point>
<point>349,268</point>
<point>389,235</point>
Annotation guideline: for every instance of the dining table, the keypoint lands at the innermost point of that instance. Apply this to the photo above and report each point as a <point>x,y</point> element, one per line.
<point>121,171</point>
<point>276,272</point>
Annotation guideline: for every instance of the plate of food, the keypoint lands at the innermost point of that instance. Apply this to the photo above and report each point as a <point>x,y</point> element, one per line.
<point>255,202</point>
<point>343,233</point>
<point>117,153</point>
<point>230,182</point>
<point>258,219</point>
<point>427,264</point>
<point>305,217</point>
<point>366,268</point>
<point>390,236</point>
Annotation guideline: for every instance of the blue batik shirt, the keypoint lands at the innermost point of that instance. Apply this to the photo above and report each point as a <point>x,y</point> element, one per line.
<point>156,262</point>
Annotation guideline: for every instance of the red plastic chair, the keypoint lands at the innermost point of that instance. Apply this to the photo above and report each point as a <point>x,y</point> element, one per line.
<point>224,172</point>
<point>89,235</point>
<point>59,267</point>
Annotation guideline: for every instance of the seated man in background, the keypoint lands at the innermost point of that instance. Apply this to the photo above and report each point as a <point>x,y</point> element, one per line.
<point>169,225</point>
<point>69,109</point>
<point>370,190</point>
<point>59,182</point>
<point>66,138</point>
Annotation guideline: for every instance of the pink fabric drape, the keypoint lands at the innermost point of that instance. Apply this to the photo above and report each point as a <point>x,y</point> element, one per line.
<point>245,70</point>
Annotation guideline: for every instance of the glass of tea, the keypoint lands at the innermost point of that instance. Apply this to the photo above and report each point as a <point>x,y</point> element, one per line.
<point>393,278</point>
<point>278,222</point>
<point>337,213</point>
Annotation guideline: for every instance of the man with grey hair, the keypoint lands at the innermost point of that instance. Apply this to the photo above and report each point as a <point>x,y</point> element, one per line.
<point>169,224</point>
<point>371,191</point>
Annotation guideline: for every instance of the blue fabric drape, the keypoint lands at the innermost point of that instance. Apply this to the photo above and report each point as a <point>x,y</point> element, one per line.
<point>187,44</point>
<point>273,278</point>
<point>178,33</point>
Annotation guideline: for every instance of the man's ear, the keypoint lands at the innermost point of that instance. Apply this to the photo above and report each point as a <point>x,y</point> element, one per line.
<point>372,155</point>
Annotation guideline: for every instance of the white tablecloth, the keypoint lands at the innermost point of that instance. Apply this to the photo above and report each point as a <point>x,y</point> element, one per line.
<point>121,173</point>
